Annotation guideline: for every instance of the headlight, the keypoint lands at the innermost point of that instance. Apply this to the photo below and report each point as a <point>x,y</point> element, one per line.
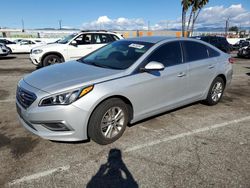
<point>38,51</point>
<point>65,98</point>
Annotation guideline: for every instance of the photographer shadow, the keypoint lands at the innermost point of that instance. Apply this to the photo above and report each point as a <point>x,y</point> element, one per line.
<point>114,173</point>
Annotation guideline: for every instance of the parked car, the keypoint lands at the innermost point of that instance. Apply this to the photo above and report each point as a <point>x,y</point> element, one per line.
<point>219,42</point>
<point>5,41</point>
<point>18,40</point>
<point>24,46</point>
<point>72,47</point>
<point>240,44</point>
<point>124,82</point>
<point>4,51</point>
<point>244,52</point>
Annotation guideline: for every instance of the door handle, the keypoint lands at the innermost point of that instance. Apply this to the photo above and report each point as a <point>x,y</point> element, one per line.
<point>211,66</point>
<point>181,74</point>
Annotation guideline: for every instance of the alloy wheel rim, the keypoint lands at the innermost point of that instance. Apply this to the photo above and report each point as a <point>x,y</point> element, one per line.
<point>217,91</point>
<point>112,122</point>
<point>53,61</point>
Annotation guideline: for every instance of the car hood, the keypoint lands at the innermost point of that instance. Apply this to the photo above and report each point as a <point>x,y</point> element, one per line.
<point>69,75</point>
<point>53,46</point>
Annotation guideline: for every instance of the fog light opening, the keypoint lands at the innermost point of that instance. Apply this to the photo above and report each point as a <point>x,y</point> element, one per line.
<point>56,126</point>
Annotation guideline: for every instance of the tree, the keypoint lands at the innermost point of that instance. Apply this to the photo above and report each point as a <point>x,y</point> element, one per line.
<point>234,28</point>
<point>185,6</point>
<point>196,5</point>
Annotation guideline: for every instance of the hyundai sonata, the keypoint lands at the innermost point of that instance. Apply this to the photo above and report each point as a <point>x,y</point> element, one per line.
<point>124,82</point>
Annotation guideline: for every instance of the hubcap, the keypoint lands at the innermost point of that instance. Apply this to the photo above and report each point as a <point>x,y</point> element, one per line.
<point>112,122</point>
<point>217,91</point>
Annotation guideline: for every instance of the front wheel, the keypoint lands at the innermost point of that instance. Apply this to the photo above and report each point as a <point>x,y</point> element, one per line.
<point>215,92</point>
<point>51,59</point>
<point>108,121</point>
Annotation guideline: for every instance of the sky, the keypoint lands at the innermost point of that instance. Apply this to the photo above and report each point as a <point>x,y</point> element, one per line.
<point>125,14</point>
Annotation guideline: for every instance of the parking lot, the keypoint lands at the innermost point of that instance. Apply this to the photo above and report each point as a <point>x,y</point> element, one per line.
<point>194,146</point>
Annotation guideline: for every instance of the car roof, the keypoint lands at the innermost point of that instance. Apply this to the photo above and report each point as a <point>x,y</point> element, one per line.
<point>152,39</point>
<point>97,31</point>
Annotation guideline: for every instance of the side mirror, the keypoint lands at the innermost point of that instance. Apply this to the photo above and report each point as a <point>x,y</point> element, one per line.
<point>73,43</point>
<point>153,66</point>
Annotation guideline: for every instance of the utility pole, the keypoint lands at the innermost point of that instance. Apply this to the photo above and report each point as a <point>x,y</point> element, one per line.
<point>22,25</point>
<point>60,24</point>
<point>227,26</point>
<point>148,25</point>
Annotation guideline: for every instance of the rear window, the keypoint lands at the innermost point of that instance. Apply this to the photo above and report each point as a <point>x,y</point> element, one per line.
<point>114,37</point>
<point>212,52</point>
<point>194,51</point>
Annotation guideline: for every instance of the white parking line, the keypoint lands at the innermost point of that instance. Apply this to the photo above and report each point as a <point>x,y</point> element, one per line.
<point>216,126</point>
<point>39,175</point>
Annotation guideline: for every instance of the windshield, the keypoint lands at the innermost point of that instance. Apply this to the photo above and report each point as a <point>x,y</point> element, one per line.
<point>66,39</point>
<point>117,55</point>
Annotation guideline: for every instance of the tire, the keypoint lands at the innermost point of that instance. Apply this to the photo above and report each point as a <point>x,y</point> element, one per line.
<point>51,59</point>
<point>215,92</point>
<point>112,129</point>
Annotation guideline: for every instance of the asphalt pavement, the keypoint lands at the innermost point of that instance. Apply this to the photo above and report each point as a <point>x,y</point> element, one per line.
<point>193,146</point>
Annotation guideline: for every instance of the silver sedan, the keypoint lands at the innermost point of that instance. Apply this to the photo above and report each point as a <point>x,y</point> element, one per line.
<point>126,81</point>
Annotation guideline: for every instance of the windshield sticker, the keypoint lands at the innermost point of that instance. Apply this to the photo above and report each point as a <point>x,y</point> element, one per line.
<point>138,46</point>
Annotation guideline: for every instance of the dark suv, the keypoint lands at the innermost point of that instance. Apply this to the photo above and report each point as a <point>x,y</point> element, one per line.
<point>219,42</point>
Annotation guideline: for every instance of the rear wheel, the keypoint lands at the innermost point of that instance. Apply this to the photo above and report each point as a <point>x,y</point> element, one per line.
<point>108,121</point>
<point>215,92</point>
<point>51,59</point>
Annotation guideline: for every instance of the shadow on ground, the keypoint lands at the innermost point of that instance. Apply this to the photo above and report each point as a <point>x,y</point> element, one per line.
<point>114,173</point>
<point>7,57</point>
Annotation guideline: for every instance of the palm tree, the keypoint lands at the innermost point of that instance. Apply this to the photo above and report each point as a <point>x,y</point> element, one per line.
<point>185,6</point>
<point>196,9</point>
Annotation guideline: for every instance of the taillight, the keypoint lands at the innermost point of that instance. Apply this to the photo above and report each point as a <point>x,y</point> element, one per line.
<point>231,60</point>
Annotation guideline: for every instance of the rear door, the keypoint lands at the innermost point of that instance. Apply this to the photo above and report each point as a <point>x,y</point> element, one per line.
<point>201,67</point>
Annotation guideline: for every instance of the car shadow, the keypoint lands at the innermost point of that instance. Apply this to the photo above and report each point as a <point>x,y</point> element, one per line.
<point>7,57</point>
<point>72,142</point>
<point>248,74</point>
<point>114,173</point>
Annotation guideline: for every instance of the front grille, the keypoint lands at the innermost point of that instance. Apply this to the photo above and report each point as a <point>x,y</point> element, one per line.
<point>24,97</point>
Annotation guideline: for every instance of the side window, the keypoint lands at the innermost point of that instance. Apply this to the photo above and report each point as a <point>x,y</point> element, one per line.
<point>212,52</point>
<point>194,51</point>
<point>83,39</point>
<point>114,37</point>
<point>169,54</point>
<point>101,39</point>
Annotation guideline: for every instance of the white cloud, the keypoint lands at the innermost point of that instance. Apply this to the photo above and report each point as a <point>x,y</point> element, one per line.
<point>104,22</point>
<point>215,16</point>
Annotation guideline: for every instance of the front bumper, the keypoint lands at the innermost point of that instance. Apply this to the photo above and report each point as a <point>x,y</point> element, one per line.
<point>35,119</point>
<point>35,59</point>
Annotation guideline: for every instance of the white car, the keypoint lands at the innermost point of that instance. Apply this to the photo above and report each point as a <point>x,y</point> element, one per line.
<point>4,50</point>
<point>24,46</point>
<point>72,47</point>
